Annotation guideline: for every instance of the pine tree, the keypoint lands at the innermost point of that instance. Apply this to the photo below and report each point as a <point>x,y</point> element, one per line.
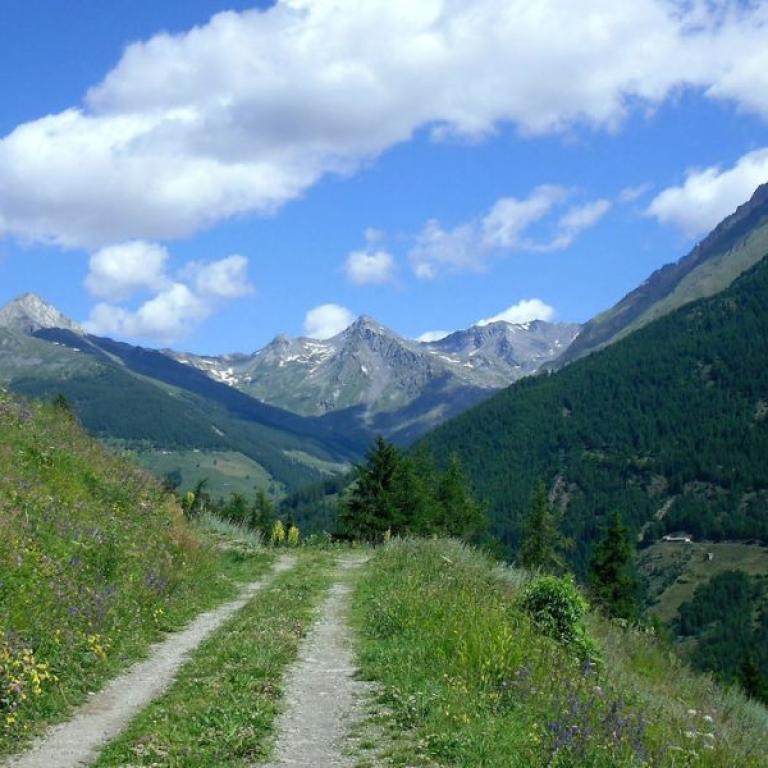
<point>462,515</point>
<point>236,509</point>
<point>611,573</point>
<point>542,544</point>
<point>262,514</point>
<point>416,510</point>
<point>370,508</point>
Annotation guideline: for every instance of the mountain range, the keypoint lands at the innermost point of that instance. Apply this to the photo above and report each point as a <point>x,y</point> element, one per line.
<point>369,379</point>
<point>302,408</point>
<point>295,410</point>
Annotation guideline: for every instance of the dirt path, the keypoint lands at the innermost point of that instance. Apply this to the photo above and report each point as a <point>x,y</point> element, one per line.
<point>79,741</point>
<point>323,698</point>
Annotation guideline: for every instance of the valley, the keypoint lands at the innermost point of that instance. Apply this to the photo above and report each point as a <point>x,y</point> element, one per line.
<point>384,384</point>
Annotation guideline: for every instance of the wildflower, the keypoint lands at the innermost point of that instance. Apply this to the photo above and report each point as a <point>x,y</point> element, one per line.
<point>278,532</point>
<point>293,536</point>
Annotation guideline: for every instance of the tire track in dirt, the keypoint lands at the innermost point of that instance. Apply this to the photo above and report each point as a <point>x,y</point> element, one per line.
<point>323,699</point>
<point>78,741</point>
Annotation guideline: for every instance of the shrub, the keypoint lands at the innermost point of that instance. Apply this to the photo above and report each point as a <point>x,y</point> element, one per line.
<point>558,610</point>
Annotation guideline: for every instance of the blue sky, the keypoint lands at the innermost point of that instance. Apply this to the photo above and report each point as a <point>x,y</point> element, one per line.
<point>430,164</point>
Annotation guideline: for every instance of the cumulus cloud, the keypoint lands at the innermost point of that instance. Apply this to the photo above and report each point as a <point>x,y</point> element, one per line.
<point>249,110</point>
<point>711,194</point>
<point>166,317</point>
<point>509,217</point>
<point>523,312</point>
<point>119,271</point>
<point>327,320</point>
<point>369,266</point>
<point>223,279</point>
<point>180,301</point>
<point>470,246</point>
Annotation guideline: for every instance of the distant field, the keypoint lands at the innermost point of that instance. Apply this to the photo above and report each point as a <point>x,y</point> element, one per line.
<point>226,471</point>
<point>674,570</point>
<point>329,467</point>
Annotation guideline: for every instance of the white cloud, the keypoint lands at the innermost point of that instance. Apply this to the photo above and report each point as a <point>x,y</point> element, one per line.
<point>369,266</point>
<point>223,279</point>
<point>437,250</point>
<point>180,302</point>
<point>574,222</point>
<point>433,336</point>
<point>327,320</point>
<point>522,312</point>
<point>119,271</point>
<point>166,317</point>
<point>510,217</point>
<point>709,195</point>
<point>470,246</point>
<point>248,111</point>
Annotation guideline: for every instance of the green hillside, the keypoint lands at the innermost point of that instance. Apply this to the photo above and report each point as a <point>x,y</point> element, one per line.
<point>152,403</point>
<point>468,675</point>
<point>734,246</point>
<point>668,426</point>
<point>95,563</point>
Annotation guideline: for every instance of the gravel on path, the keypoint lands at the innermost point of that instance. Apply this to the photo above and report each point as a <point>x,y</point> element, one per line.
<point>323,699</point>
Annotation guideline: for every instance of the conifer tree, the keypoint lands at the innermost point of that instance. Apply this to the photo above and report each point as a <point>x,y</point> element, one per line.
<point>262,514</point>
<point>370,508</point>
<point>416,510</point>
<point>236,509</point>
<point>461,514</point>
<point>752,680</point>
<point>542,544</point>
<point>611,573</point>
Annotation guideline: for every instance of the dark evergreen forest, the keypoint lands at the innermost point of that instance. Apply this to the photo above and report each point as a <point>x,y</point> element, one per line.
<point>668,427</point>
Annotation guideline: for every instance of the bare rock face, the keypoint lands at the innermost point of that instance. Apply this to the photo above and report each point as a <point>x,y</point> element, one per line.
<point>29,313</point>
<point>367,366</point>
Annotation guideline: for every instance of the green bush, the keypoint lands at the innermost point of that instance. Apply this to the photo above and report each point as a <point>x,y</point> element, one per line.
<point>558,610</point>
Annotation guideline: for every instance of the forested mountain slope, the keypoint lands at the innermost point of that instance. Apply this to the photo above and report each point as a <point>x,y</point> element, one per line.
<point>735,245</point>
<point>668,426</point>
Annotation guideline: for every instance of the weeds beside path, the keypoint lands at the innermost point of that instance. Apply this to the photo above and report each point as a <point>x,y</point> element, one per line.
<point>78,741</point>
<point>222,707</point>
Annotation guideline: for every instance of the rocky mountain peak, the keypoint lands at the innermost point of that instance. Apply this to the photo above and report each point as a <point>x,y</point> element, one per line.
<point>366,325</point>
<point>29,313</point>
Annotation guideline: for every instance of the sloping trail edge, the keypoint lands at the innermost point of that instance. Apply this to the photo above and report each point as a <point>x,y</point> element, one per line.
<point>78,741</point>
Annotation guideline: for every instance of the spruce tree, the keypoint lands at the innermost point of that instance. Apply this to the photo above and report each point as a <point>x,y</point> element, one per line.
<point>370,509</point>
<point>262,514</point>
<point>416,510</point>
<point>611,573</point>
<point>542,543</point>
<point>462,515</point>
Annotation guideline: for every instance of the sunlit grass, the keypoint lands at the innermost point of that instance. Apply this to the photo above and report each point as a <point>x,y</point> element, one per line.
<point>463,671</point>
<point>221,709</point>
<point>96,562</point>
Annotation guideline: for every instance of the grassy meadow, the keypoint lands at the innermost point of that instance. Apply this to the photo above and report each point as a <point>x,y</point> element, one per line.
<point>467,673</point>
<point>674,570</point>
<point>96,562</point>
